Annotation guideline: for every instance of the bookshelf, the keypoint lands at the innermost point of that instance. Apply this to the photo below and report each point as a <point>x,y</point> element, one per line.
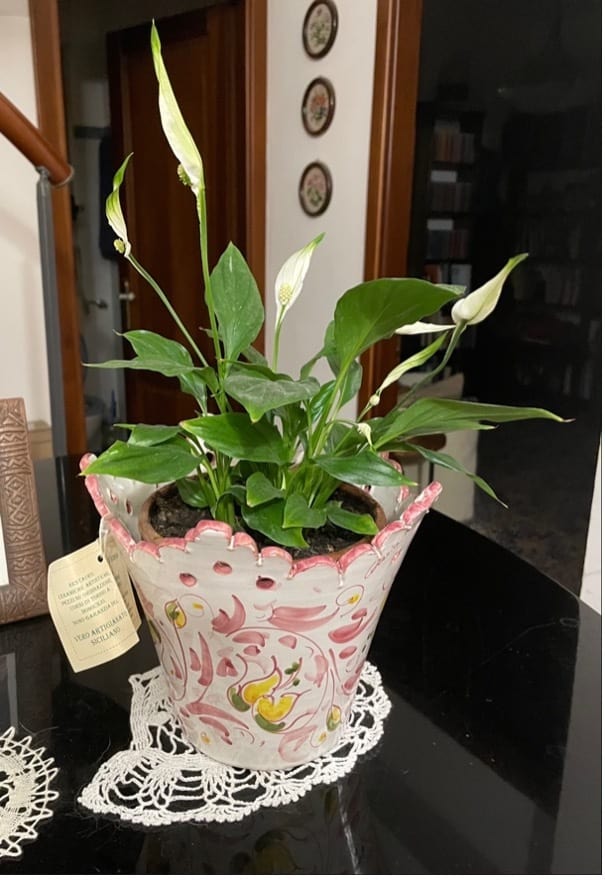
<point>550,338</point>
<point>448,139</point>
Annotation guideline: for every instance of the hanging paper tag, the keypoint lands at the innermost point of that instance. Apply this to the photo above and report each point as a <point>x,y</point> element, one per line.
<point>93,610</point>
<point>119,569</point>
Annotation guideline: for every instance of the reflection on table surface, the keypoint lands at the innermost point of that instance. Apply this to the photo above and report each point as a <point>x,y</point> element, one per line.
<point>490,761</point>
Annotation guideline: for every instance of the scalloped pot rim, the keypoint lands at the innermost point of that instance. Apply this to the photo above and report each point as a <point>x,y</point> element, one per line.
<point>408,520</point>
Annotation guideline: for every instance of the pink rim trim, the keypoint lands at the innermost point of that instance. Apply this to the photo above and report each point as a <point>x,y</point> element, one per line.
<point>408,519</point>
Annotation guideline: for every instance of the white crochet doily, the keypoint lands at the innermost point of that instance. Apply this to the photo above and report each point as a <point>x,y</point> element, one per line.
<point>25,791</point>
<point>162,779</point>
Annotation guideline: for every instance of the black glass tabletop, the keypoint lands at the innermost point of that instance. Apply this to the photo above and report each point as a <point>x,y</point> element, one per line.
<point>489,763</point>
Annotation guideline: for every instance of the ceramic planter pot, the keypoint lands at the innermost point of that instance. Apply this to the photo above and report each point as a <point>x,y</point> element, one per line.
<point>261,653</point>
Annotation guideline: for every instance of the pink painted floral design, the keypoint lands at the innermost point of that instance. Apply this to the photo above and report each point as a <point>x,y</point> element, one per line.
<point>262,653</point>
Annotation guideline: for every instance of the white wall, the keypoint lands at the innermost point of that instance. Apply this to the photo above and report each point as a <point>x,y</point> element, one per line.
<point>338,261</point>
<point>23,368</point>
<point>592,578</point>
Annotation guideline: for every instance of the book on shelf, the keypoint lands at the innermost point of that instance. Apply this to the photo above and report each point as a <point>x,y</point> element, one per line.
<point>449,273</point>
<point>452,145</point>
<point>446,240</point>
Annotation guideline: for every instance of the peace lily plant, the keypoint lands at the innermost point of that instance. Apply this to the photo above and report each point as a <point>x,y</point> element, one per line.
<point>264,450</point>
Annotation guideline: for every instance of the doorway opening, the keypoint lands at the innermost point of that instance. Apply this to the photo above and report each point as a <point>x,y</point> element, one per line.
<point>212,52</point>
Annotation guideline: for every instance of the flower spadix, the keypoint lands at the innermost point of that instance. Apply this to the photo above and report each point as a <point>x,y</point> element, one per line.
<point>475,307</point>
<point>191,169</point>
<point>291,276</point>
<point>113,211</point>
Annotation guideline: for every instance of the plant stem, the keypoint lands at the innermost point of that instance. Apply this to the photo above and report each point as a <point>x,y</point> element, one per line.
<point>280,319</point>
<point>431,375</point>
<point>203,221</point>
<point>210,474</point>
<point>151,281</point>
<point>318,440</point>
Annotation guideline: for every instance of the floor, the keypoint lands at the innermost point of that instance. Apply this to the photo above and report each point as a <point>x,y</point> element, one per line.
<point>545,472</point>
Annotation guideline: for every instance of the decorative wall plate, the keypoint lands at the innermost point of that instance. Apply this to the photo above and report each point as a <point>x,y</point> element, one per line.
<point>315,189</point>
<point>319,28</point>
<point>318,106</point>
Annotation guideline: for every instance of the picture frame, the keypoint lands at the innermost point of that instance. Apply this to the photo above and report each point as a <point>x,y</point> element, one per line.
<point>319,28</point>
<point>315,189</point>
<point>318,105</point>
<point>23,587</point>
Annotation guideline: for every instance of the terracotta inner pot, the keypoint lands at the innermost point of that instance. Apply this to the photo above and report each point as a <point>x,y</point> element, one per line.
<point>148,533</point>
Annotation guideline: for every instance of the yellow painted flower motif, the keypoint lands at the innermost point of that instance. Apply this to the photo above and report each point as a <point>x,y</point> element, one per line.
<point>354,598</point>
<point>334,718</point>
<point>175,613</point>
<point>322,737</point>
<point>252,691</point>
<point>275,712</point>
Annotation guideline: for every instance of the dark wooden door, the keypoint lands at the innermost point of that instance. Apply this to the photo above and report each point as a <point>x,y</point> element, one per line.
<point>204,53</point>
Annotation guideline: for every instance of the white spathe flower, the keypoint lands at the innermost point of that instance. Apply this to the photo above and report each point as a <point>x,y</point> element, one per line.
<point>291,276</point>
<point>365,430</point>
<point>480,303</point>
<point>177,134</point>
<point>113,211</point>
<point>420,327</point>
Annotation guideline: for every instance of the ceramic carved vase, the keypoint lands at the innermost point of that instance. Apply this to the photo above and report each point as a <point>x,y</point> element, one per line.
<point>261,653</point>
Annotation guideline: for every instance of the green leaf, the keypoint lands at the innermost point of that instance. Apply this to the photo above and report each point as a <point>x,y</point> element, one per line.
<point>450,463</point>
<point>195,492</point>
<point>294,421</point>
<point>151,435</point>
<point>154,353</point>
<point>298,513</point>
<point>360,523</point>
<point>237,492</point>
<point>320,400</point>
<point>352,382</point>
<point>365,468</point>
<point>268,519</point>
<point>415,360</point>
<point>193,384</point>
<point>345,437</point>
<point>351,387</point>
<point>254,356</point>
<point>260,490</point>
<point>259,390</point>
<point>235,435</point>
<point>237,302</point>
<point>434,416</point>
<point>197,381</point>
<point>327,350</point>
<point>148,464</point>
<point>152,345</point>
<point>373,311</point>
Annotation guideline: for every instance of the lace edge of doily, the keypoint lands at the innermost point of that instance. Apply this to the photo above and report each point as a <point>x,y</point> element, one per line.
<point>329,771</point>
<point>27,828</point>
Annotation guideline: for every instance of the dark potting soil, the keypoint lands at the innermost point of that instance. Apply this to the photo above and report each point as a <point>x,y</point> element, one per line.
<point>171,517</point>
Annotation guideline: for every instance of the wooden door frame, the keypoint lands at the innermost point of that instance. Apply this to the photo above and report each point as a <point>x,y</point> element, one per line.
<point>391,169</point>
<point>46,51</point>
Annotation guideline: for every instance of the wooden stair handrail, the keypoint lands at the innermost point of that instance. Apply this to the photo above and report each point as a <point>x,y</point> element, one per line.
<point>28,140</point>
